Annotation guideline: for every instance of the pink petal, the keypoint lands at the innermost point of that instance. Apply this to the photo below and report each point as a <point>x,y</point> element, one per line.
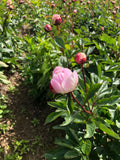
<point>67,73</point>
<point>76,76</point>
<point>70,83</point>
<point>56,86</point>
<point>57,70</point>
<point>59,78</point>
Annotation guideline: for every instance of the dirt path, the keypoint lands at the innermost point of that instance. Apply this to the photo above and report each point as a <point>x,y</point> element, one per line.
<point>26,134</point>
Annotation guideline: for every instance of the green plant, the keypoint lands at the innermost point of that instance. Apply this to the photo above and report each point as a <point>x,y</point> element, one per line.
<point>3,78</point>
<point>35,122</point>
<point>20,147</point>
<point>12,88</point>
<point>90,120</point>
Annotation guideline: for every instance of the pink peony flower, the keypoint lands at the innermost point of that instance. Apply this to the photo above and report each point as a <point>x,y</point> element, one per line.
<point>80,58</point>
<point>63,80</point>
<point>56,19</point>
<point>47,28</point>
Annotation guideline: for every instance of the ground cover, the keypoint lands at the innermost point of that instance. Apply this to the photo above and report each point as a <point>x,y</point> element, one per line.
<point>23,133</point>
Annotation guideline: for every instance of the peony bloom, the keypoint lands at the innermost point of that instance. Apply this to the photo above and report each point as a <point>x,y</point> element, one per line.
<point>56,19</point>
<point>63,80</point>
<point>47,28</point>
<point>80,58</point>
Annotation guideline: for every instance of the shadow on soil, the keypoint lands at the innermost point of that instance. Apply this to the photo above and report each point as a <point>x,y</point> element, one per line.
<point>26,134</point>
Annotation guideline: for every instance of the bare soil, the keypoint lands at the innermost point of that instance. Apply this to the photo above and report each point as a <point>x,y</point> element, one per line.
<point>24,111</point>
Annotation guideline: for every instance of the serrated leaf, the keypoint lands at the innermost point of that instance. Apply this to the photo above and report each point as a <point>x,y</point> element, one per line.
<point>90,129</point>
<point>71,154</point>
<point>59,41</point>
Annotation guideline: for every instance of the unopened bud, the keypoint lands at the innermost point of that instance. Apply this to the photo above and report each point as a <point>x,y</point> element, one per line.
<point>47,28</point>
<point>80,58</point>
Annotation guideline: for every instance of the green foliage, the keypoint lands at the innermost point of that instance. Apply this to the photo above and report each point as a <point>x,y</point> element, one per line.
<point>90,114</point>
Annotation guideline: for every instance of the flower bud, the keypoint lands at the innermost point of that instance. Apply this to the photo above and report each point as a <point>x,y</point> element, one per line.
<point>114,12</point>
<point>24,16</point>
<point>47,28</point>
<point>80,58</point>
<point>21,1</point>
<point>74,11</point>
<point>56,19</point>
<point>74,0</point>
<point>53,5</point>
<point>117,7</point>
<point>102,28</point>
<point>113,2</point>
<point>88,2</point>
